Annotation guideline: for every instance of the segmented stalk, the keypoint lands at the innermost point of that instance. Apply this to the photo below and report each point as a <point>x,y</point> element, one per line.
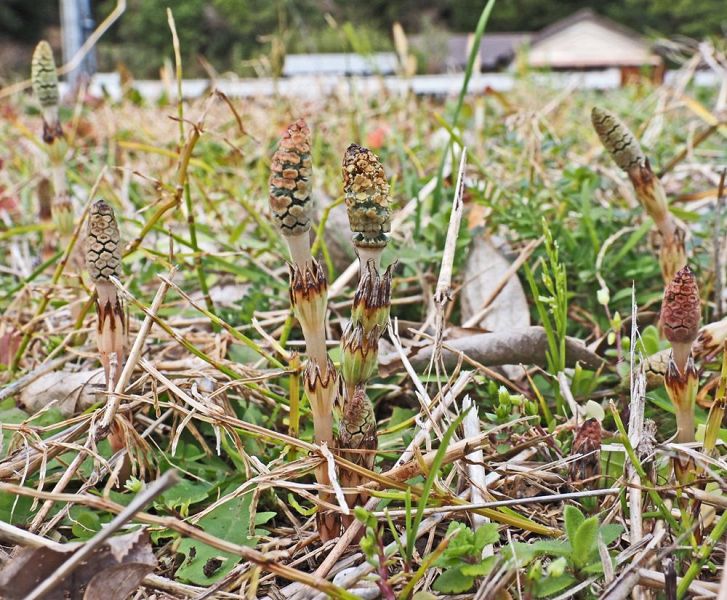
<point>358,442</point>
<point>290,205</point>
<point>680,317</point>
<point>626,152</point>
<point>367,202</point>
<point>103,260</point>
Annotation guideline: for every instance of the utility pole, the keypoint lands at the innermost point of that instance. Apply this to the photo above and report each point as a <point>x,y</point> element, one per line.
<point>76,25</point>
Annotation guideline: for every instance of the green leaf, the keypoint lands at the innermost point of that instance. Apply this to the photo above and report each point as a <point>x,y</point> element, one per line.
<point>14,509</point>
<point>573,520</point>
<point>182,495</point>
<point>610,533</point>
<point>453,581</point>
<point>205,565</point>
<point>486,534</point>
<point>552,585</point>
<point>480,568</point>
<point>552,548</point>
<point>584,542</point>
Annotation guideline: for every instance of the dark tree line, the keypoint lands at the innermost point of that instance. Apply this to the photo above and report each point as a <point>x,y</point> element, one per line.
<point>229,32</point>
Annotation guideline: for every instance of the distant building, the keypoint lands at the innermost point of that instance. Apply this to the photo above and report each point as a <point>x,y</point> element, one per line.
<point>497,50</point>
<point>381,63</point>
<point>582,41</point>
<point>587,41</point>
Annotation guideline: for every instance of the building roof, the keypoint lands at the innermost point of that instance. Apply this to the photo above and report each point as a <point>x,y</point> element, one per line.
<point>496,49</point>
<point>587,40</point>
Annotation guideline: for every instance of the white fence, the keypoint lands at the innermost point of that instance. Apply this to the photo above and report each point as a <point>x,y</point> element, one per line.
<point>312,87</point>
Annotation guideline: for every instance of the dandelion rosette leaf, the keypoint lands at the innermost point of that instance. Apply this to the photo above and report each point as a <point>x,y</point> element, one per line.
<point>367,197</point>
<point>45,87</point>
<point>621,144</point>
<point>585,470</point>
<point>681,314</point>
<point>290,180</point>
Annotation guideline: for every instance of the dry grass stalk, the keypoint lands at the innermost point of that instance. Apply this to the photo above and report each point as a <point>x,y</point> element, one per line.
<point>290,204</point>
<point>680,316</point>
<point>103,261</point>
<point>626,152</point>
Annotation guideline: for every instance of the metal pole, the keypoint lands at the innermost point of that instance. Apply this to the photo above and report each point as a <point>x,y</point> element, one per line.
<point>76,26</point>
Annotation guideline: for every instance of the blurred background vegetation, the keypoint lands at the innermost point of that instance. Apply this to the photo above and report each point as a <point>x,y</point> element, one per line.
<point>232,34</point>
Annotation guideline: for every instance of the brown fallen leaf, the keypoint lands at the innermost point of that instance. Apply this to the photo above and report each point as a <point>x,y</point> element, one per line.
<point>485,268</point>
<point>71,392</point>
<point>111,572</point>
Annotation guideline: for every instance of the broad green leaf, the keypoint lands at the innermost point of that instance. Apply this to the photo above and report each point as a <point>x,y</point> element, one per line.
<point>573,520</point>
<point>584,542</point>
<point>486,534</point>
<point>182,495</point>
<point>14,509</point>
<point>552,585</point>
<point>204,565</point>
<point>480,568</point>
<point>453,581</point>
<point>610,533</point>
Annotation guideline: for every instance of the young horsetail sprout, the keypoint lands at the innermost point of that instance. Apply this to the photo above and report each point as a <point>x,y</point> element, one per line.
<point>290,189</point>
<point>626,152</point>
<point>290,204</point>
<point>103,261</point>
<point>45,87</point>
<point>367,202</point>
<point>680,316</point>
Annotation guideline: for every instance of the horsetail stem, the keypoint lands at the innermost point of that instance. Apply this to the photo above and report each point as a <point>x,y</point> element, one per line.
<point>626,152</point>
<point>366,192</point>
<point>103,261</point>
<point>680,316</point>
<point>358,442</point>
<point>290,205</point>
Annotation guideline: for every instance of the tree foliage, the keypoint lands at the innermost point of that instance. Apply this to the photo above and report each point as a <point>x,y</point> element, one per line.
<point>228,32</point>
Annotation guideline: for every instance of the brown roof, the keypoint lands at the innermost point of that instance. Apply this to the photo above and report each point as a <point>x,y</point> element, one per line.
<point>496,49</point>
